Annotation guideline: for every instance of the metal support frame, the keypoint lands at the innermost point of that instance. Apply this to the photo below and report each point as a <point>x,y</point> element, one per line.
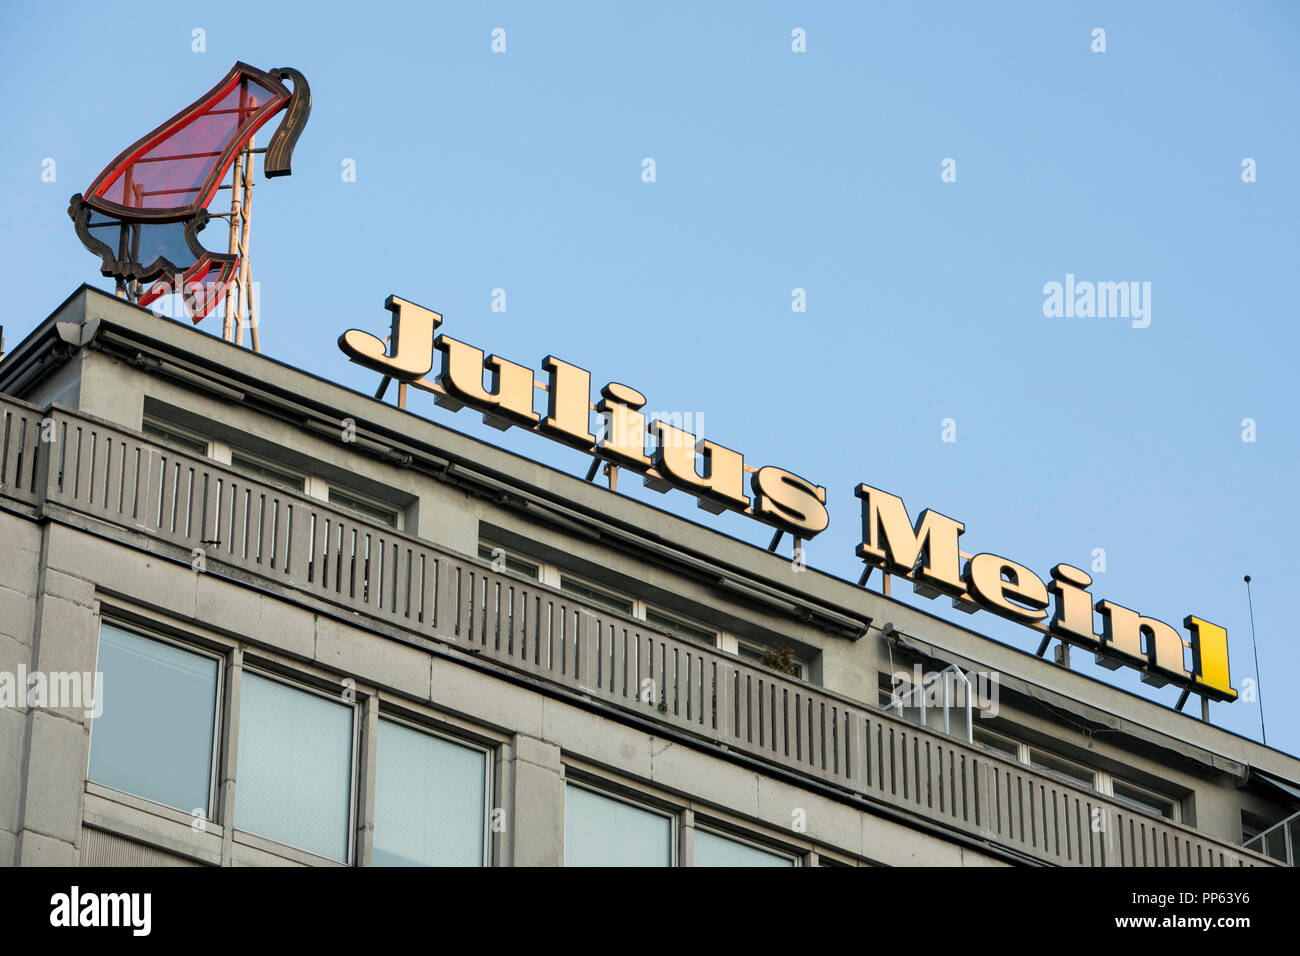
<point>236,213</point>
<point>897,705</point>
<point>240,306</point>
<point>1286,828</point>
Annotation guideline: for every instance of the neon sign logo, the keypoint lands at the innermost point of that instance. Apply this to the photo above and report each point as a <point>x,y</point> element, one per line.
<point>143,213</point>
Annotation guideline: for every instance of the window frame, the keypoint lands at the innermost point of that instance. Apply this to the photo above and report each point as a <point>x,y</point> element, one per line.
<point>268,465</point>
<point>489,547</point>
<point>1174,804</point>
<point>755,647</point>
<point>217,759</point>
<point>268,671</point>
<point>490,755</point>
<point>149,423</point>
<point>723,641</point>
<point>683,621</point>
<point>310,485</point>
<point>1014,745</point>
<point>716,830</point>
<point>1104,782</point>
<point>614,597</point>
<point>1062,775</point>
<point>367,501</point>
<point>611,792</point>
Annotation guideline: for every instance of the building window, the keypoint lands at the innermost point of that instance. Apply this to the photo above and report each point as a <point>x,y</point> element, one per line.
<point>996,743</point>
<point>156,735</point>
<point>1144,800</point>
<point>594,594</point>
<point>512,562</point>
<point>278,476</point>
<point>1073,773</point>
<point>430,800</point>
<point>1252,826</point>
<point>1131,795</point>
<point>363,508</point>
<point>601,830</point>
<point>670,623</point>
<point>1281,841</point>
<point>713,849</point>
<point>777,658</point>
<point>294,774</point>
<point>177,438</point>
<point>677,627</point>
<point>1274,843</point>
<point>265,471</point>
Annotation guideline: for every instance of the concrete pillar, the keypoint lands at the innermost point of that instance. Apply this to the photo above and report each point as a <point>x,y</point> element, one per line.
<point>686,838</point>
<point>57,739</point>
<point>365,844</point>
<point>18,588</point>
<point>535,804</point>
<point>229,754</point>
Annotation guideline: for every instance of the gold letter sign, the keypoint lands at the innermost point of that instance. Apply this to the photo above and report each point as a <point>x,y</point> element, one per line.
<point>926,552</point>
<point>714,474</point>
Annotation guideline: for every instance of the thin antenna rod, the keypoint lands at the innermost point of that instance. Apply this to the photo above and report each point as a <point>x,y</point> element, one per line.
<point>1259,692</point>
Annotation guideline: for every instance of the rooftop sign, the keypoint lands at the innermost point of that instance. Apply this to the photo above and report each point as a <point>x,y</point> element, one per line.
<point>777,497</point>
<point>143,213</point>
<point>925,552</point>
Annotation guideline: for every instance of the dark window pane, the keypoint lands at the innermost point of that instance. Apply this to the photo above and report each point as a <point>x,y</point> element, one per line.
<point>267,473</point>
<point>363,509</point>
<point>594,595</point>
<point>169,436</point>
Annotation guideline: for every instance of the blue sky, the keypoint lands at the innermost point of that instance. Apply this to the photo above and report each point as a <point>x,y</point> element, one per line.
<point>778,170</point>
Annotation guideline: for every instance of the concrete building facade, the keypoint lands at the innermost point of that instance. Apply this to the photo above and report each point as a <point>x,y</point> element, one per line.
<point>331,632</point>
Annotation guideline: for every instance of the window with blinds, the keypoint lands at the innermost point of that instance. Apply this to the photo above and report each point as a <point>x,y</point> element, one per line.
<point>430,800</point>
<point>294,776</point>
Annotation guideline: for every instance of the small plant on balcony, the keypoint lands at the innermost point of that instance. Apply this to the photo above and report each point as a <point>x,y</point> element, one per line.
<point>781,659</point>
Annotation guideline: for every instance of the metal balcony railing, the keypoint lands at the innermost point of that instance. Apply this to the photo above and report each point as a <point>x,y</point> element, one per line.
<point>1280,842</point>
<point>62,462</point>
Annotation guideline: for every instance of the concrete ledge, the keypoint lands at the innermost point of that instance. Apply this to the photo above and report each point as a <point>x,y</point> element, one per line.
<point>724,784</point>
<point>479,697</point>
<point>367,656</point>
<point>152,830</point>
<point>247,849</point>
